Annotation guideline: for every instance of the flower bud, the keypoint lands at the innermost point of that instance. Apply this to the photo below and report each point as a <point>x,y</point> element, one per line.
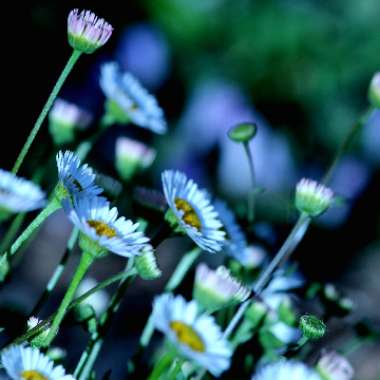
<point>146,264</point>
<point>312,198</point>
<point>243,132</point>
<point>374,90</point>
<point>333,366</point>
<point>312,327</point>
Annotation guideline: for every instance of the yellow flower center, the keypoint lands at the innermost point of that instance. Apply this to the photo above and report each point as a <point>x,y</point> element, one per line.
<point>33,375</point>
<point>101,228</point>
<point>190,216</point>
<point>186,335</point>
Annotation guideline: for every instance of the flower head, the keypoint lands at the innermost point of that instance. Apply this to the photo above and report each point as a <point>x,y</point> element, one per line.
<point>286,370</point>
<point>129,101</point>
<point>87,32</point>
<point>312,327</point>
<point>75,179</point>
<point>101,229</point>
<point>312,198</point>
<point>236,242</point>
<point>191,208</point>
<point>18,194</point>
<point>64,119</point>
<point>131,156</point>
<point>333,366</point>
<point>27,363</point>
<point>374,90</point>
<point>197,337</point>
<point>215,289</point>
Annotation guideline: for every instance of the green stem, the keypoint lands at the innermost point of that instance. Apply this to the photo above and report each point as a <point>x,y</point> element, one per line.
<point>55,277</point>
<point>37,329</point>
<point>294,238</point>
<point>51,207</point>
<point>85,262</point>
<point>11,232</point>
<point>251,194</point>
<point>178,275</point>
<point>105,322</point>
<point>346,144</point>
<point>161,365</point>
<point>57,87</point>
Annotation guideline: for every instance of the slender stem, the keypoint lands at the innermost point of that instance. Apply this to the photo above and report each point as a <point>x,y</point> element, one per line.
<point>57,87</point>
<point>178,275</point>
<point>85,262</point>
<point>283,254</point>
<point>161,365</point>
<point>51,207</point>
<point>37,329</point>
<point>12,231</point>
<point>251,194</point>
<point>346,144</point>
<point>55,277</point>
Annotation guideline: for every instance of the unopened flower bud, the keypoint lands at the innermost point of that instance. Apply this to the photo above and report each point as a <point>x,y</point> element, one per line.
<point>146,264</point>
<point>374,90</point>
<point>312,327</point>
<point>243,132</point>
<point>333,366</point>
<point>312,198</point>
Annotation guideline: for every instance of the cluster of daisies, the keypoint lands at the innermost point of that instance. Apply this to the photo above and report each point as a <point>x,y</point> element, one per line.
<point>195,329</point>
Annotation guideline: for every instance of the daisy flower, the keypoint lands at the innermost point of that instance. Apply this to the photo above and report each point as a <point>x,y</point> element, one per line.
<point>129,101</point>
<point>86,32</point>
<point>197,337</point>
<point>75,179</point>
<point>192,209</point>
<point>18,194</point>
<point>236,242</point>
<point>215,289</point>
<point>27,363</point>
<point>286,370</point>
<point>101,229</point>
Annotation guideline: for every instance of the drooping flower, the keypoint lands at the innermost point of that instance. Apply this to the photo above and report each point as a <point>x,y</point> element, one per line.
<point>215,289</point>
<point>18,195</point>
<point>86,32</point>
<point>196,337</point>
<point>27,363</point>
<point>64,119</point>
<point>193,211</point>
<point>128,101</point>
<point>312,198</point>
<point>131,156</point>
<point>286,370</point>
<point>101,228</point>
<point>236,242</point>
<point>75,179</point>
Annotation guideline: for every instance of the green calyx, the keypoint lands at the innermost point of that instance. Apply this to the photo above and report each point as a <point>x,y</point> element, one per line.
<point>312,327</point>
<point>146,265</point>
<point>126,167</point>
<point>114,114</point>
<point>91,246</point>
<point>209,300</point>
<point>82,44</point>
<point>243,132</point>
<point>61,133</point>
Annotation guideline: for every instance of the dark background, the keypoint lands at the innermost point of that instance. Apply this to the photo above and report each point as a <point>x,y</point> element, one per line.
<point>299,68</point>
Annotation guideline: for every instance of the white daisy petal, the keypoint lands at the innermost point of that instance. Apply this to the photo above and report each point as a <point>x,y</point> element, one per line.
<point>21,362</point>
<point>18,194</point>
<point>193,211</point>
<point>197,337</point>
<point>94,217</point>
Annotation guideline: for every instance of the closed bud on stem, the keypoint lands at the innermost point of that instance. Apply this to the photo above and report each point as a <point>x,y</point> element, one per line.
<point>146,264</point>
<point>312,327</point>
<point>312,198</point>
<point>243,132</point>
<point>333,366</point>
